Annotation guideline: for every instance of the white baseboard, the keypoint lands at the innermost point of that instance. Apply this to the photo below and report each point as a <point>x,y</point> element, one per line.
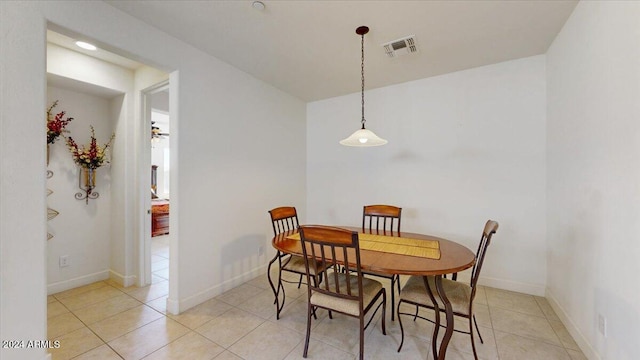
<point>125,281</point>
<point>176,307</point>
<point>76,282</point>
<point>582,341</point>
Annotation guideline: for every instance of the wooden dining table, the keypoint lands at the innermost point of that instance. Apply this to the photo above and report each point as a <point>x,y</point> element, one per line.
<point>452,258</point>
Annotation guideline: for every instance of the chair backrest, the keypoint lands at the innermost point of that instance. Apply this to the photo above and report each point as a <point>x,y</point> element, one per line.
<point>283,219</point>
<point>327,244</point>
<point>490,228</point>
<point>381,218</point>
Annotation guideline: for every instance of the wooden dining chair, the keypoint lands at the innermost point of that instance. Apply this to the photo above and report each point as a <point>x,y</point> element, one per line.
<point>459,294</point>
<point>285,219</point>
<point>383,220</point>
<point>346,292</point>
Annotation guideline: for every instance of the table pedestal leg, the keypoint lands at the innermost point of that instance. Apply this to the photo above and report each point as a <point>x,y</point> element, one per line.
<point>434,339</point>
<point>440,355</point>
<point>276,290</point>
<point>449,314</point>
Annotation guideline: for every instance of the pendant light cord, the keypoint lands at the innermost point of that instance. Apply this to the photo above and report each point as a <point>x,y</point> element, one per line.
<point>362,73</point>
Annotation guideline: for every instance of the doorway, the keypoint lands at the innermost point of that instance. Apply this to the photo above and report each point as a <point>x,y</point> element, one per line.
<point>157,229</point>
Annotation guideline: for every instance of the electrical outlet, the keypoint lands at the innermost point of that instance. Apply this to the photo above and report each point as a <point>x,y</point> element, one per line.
<point>64,261</point>
<point>602,325</point>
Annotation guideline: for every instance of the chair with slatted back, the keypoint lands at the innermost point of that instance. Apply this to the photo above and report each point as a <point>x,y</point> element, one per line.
<point>459,294</point>
<point>285,219</point>
<point>383,220</point>
<point>346,292</point>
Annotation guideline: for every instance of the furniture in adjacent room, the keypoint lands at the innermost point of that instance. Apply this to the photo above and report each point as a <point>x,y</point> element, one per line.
<point>159,217</point>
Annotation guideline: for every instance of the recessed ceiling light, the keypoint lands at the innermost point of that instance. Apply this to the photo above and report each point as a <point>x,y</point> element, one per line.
<point>259,5</point>
<point>86,45</point>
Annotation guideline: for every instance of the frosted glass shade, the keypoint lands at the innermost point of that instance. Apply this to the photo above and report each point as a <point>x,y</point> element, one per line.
<point>363,137</point>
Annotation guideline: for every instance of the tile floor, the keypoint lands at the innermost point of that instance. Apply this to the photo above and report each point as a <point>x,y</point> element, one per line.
<point>105,321</point>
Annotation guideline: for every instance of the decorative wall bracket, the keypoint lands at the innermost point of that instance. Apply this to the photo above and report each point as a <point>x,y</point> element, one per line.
<point>86,183</point>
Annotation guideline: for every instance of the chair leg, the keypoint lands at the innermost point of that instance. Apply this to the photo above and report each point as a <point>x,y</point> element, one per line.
<point>384,312</point>
<point>416,315</point>
<point>401,328</point>
<point>393,297</point>
<point>473,343</point>
<point>300,281</point>
<point>477,329</point>
<point>306,340</point>
<point>362,338</point>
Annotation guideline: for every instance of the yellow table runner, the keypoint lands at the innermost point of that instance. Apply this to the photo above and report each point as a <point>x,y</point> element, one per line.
<point>429,249</point>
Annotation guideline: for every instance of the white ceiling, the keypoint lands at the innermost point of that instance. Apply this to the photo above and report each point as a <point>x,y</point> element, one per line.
<point>310,50</point>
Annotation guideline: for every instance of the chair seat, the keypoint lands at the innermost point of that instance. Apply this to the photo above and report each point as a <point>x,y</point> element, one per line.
<point>296,264</point>
<point>459,294</point>
<point>370,289</point>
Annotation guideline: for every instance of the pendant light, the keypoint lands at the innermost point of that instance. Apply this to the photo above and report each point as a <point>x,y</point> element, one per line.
<point>363,137</point>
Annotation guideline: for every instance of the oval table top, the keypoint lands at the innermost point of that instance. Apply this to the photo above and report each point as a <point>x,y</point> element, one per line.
<point>453,256</point>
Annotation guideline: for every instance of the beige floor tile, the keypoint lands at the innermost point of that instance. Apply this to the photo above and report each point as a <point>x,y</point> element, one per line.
<point>103,352</point>
<point>147,339</point>
<point>260,304</point>
<point>124,322</point>
<point>104,309</point>
<point>155,279</point>
<point>319,350</point>
<point>156,258</point>
<point>227,355</point>
<point>164,273</point>
<point>513,347</point>
<point>481,296</point>
<point>513,301</point>
<point>260,281</point>
<point>533,327</point>
<point>75,343</point>
<point>55,308</point>
<point>380,346</point>
<point>159,304</point>
<point>159,265</point>
<point>192,346</point>
<point>229,327</point>
<point>564,336</point>
<point>294,316</point>
<point>62,324</point>
<point>151,292</point>
<point>576,355</point>
<point>200,314</point>
<point>482,315</point>
<point>90,297</point>
<point>51,298</point>
<point>341,332</point>
<point>546,308</point>
<point>160,250</point>
<point>239,294</point>
<point>79,290</point>
<point>117,285</point>
<point>462,344</point>
<point>253,345</point>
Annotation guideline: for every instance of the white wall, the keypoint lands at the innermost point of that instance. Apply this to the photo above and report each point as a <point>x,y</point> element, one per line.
<point>236,161</point>
<point>463,148</point>
<point>82,230</point>
<point>593,152</point>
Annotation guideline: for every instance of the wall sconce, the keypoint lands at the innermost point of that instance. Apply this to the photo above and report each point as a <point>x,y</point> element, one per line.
<point>86,183</point>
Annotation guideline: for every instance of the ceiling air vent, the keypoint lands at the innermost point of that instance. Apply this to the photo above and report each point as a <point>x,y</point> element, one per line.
<point>406,45</point>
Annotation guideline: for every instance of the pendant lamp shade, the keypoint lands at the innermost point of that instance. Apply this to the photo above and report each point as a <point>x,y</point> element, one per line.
<point>363,137</point>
